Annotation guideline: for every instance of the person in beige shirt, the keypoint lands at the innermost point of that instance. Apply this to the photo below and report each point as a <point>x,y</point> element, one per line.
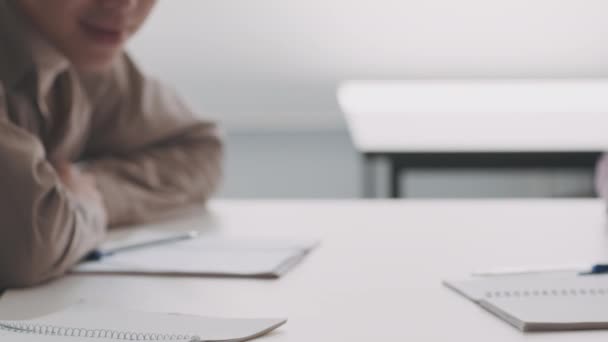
<point>87,141</point>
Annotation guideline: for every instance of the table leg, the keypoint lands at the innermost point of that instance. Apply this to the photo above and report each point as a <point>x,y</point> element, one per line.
<point>368,176</point>
<point>395,190</point>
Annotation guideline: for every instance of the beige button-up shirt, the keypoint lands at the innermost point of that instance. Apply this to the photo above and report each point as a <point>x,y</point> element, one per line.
<point>147,150</point>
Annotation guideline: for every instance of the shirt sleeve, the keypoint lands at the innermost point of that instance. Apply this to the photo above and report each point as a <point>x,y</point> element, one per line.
<point>43,230</point>
<point>149,153</point>
<point>601,177</point>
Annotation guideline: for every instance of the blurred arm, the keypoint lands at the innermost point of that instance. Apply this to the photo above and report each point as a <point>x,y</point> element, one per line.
<point>601,177</point>
<point>150,153</point>
<point>45,228</point>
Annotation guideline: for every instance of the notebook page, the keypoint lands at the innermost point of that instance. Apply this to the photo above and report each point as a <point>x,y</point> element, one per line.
<point>173,325</point>
<point>207,242</point>
<point>539,302</point>
<point>205,256</point>
<point>173,261</point>
<point>14,337</point>
<point>477,288</point>
<point>553,313</point>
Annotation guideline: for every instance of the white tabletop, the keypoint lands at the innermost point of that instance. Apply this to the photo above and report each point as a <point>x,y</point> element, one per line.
<point>496,115</point>
<point>376,276</point>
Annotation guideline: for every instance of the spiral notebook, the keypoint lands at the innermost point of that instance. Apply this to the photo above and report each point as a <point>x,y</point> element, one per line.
<point>95,324</point>
<point>541,302</point>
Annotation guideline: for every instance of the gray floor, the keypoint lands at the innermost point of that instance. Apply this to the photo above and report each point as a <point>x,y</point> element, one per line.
<point>325,165</point>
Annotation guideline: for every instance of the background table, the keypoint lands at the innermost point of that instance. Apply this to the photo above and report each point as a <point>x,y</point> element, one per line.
<point>376,276</point>
<point>465,124</point>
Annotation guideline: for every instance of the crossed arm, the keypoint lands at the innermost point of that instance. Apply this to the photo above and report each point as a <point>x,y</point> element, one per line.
<point>147,154</point>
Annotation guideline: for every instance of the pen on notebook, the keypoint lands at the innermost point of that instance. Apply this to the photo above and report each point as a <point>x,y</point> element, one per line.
<point>98,254</point>
<point>580,268</point>
<point>596,269</point>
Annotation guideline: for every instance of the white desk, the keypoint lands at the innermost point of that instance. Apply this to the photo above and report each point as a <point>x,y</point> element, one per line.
<point>377,275</point>
<point>476,124</point>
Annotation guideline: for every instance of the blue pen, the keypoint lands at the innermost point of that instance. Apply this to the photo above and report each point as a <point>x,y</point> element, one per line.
<point>578,268</point>
<point>596,269</point>
<point>98,254</point>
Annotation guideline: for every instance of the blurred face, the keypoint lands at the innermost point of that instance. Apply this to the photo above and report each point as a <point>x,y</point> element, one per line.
<point>90,33</point>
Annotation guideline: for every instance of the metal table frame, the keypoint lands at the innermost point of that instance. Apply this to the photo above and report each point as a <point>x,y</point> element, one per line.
<point>399,162</point>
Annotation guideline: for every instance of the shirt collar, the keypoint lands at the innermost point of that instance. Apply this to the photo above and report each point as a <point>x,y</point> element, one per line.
<point>24,50</point>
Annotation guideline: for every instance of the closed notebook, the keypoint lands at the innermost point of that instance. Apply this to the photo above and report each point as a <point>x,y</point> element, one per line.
<point>213,256</point>
<point>541,302</point>
<point>88,324</point>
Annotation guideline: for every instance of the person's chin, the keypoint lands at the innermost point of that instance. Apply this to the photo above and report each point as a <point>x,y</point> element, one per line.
<point>96,62</point>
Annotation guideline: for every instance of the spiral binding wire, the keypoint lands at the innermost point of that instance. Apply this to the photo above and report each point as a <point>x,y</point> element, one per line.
<point>50,330</point>
<point>561,292</point>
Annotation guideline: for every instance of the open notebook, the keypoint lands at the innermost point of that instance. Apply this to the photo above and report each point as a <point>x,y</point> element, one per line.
<point>542,302</point>
<point>86,323</point>
<point>203,256</point>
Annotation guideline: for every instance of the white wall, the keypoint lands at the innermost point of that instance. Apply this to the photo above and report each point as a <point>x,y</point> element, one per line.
<point>275,63</point>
